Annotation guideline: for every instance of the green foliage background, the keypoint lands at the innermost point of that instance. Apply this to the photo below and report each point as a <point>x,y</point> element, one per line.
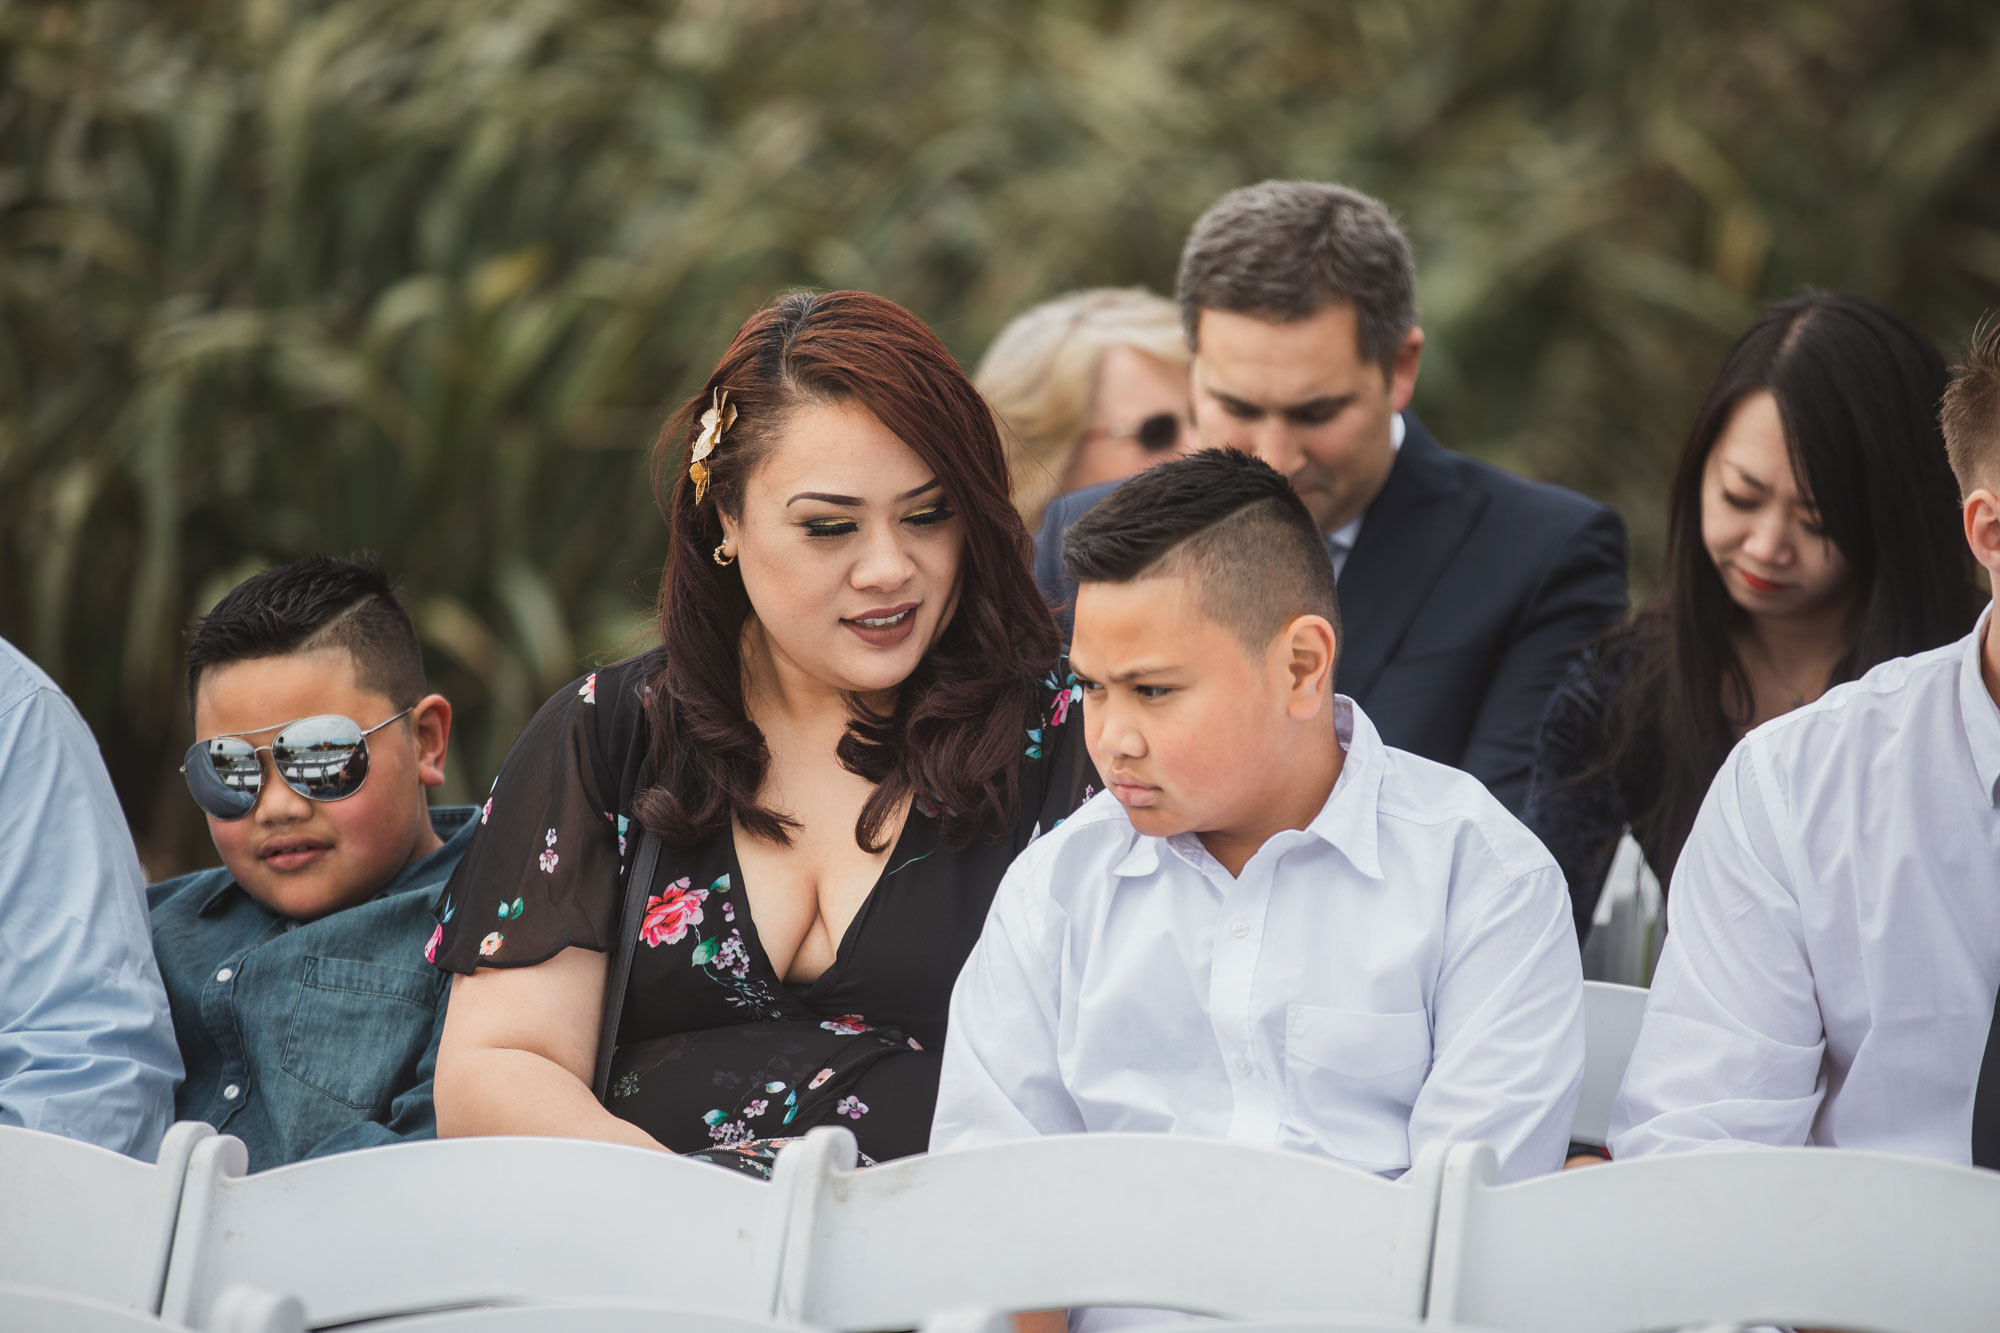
<point>279,276</point>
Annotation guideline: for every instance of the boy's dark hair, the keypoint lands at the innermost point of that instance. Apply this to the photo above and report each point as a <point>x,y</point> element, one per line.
<point>1231,524</point>
<point>1970,414</point>
<point>317,602</point>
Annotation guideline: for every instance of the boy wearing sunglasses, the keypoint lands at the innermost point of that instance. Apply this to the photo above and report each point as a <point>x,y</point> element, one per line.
<point>306,1010</point>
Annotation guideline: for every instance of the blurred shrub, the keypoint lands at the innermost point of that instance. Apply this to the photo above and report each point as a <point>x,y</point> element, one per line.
<point>424,275</point>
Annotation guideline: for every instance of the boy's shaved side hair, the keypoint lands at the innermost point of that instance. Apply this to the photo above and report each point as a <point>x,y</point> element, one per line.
<point>318,602</point>
<point>1970,413</point>
<point>1230,524</point>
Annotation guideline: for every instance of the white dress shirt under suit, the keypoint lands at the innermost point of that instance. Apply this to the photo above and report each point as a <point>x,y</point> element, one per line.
<point>1400,971</point>
<point>1834,950</point>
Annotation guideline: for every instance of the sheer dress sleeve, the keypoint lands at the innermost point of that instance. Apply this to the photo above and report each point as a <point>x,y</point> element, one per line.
<point>1577,811</point>
<point>544,870</point>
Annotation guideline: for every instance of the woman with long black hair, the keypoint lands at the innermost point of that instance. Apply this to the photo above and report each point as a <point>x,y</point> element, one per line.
<point>1813,534</point>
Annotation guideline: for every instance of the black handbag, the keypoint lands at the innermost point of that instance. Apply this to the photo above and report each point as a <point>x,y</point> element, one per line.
<point>631,915</point>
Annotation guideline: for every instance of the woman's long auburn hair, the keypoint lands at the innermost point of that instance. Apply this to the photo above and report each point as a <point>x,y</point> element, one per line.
<point>957,734</point>
<point>1857,388</point>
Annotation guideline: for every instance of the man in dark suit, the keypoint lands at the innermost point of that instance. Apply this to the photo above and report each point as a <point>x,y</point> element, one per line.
<point>1465,591</point>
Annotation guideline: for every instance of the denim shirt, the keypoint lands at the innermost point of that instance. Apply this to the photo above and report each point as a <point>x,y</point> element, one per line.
<point>308,1037</point>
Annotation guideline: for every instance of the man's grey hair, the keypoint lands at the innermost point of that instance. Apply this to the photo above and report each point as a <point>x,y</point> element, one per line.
<point>1286,250</point>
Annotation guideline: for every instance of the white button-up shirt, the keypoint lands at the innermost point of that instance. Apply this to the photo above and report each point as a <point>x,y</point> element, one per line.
<point>1834,948</point>
<point>1402,970</point>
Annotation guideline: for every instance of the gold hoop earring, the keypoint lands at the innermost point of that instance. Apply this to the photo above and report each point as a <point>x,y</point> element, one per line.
<point>721,560</point>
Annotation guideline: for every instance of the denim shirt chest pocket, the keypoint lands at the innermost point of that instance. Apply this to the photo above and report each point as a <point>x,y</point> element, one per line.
<point>1351,1079</point>
<point>359,1029</point>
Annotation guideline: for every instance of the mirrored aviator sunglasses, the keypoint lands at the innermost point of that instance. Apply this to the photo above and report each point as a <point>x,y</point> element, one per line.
<point>321,758</point>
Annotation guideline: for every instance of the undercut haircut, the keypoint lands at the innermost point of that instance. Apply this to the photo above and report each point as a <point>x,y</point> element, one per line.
<point>1230,525</point>
<point>1283,251</point>
<point>311,604</point>
<point>1970,413</point>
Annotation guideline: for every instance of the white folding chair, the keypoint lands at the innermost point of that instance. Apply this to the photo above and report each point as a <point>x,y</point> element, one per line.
<point>84,1220</point>
<point>586,1317</point>
<point>36,1310</point>
<point>1611,1018</point>
<point>1817,1237</point>
<point>1145,1220</point>
<point>1626,931</point>
<point>432,1225</point>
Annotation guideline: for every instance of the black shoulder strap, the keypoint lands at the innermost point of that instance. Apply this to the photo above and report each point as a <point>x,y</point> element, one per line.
<point>631,913</point>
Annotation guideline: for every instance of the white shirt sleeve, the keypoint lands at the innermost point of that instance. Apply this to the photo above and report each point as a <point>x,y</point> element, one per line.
<point>1731,1046</point>
<point>1507,1027</point>
<point>1001,1079</point>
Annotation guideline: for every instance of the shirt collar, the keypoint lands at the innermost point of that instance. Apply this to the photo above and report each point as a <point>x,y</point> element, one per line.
<point>1347,822</point>
<point>1977,710</point>
<point>453,823</point>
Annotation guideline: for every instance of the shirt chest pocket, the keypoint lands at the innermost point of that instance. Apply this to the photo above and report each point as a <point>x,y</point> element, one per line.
<point>359,1029</point>
<point>1350,1081</point>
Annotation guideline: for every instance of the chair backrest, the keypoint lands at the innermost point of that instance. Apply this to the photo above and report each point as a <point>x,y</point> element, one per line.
<point>84,1220</point>
<point>1789,1236</point>
<point>1098,1220</point>
<point>586,1317</point>
<point>1611,1018</point>
<point>432,1225</point>
<point>1623,943</point>
<point>36,1310</point>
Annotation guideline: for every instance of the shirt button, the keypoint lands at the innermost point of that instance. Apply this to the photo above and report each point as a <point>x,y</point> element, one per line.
<point>1243,1065</point>
<point>231,1093</point>
<point>225,974</point>
<point>1239,928</point>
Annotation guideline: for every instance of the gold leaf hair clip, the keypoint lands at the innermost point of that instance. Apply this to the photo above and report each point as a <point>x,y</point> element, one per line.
<point>719,417</point>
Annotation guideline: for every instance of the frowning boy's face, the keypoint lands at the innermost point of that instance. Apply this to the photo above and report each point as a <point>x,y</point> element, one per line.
<point>1180,717</point>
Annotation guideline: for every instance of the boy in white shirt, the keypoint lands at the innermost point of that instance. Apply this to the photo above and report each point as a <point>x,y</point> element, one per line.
<point>1271,928</point>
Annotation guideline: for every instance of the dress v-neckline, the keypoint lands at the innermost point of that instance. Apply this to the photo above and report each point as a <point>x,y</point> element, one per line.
<point>841,950</point>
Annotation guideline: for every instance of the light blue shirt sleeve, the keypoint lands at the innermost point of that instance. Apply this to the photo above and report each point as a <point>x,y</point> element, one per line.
<point>86,1039</point>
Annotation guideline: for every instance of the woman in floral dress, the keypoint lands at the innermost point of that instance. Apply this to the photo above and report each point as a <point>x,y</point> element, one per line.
<point>854,721</point>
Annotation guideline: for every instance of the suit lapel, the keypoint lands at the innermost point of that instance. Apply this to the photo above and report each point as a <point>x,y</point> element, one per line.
<point>1413,529</point>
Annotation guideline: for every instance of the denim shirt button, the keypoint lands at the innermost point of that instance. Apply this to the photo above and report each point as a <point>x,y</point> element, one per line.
<point>225,974</point>
<point>231,1092</point>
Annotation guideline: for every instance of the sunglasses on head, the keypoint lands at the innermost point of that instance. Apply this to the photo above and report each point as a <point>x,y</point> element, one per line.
<point>321,758</point>
<point>1156,434</point>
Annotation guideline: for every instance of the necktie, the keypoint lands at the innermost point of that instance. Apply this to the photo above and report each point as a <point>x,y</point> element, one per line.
<point>1986,1101</point>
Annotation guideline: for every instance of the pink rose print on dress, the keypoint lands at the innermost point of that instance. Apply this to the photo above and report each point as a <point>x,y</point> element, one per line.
<point>846,1025</point>
<point>668,915</point>
<point>547,861</point>
<point>819,1078</point>
<point>588,690</point>
<point>851,1107</point>
<point>431,949</point>
<point>757,1107</point>
<point>490,945</point>
<point>486,811</point>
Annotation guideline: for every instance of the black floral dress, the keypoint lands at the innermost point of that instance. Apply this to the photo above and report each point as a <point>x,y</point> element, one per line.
<point>716,1053</point>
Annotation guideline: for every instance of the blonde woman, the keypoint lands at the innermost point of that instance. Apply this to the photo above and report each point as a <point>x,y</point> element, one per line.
<point>1090,387</point>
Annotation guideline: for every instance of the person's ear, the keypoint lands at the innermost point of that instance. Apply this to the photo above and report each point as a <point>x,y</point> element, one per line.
<point>1403,370</point>
<point>729,530</point>
<point>1982,529</point>
<point>430,727</point>
<point>1309,647</point>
